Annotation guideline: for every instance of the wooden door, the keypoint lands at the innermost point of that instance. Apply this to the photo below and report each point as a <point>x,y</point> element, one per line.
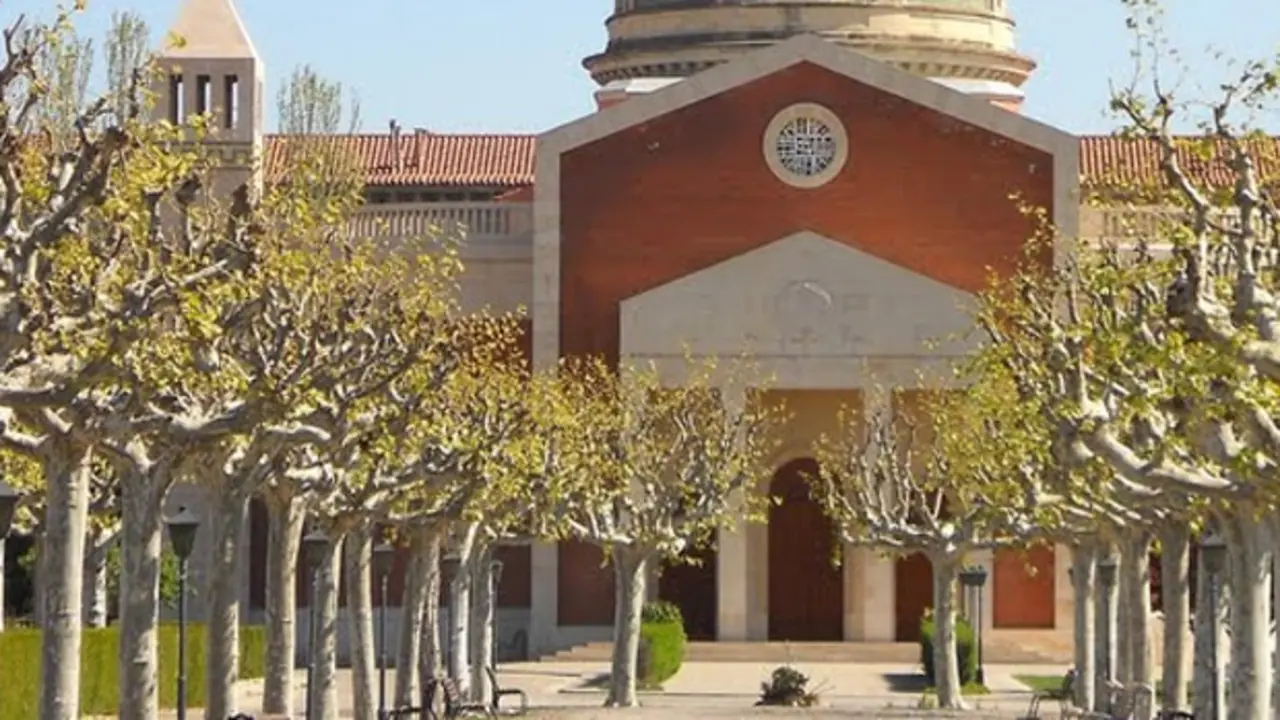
<point>912,595</point>
<point>806,591</point>
<point>1023,589</point>
<point>693,589</point>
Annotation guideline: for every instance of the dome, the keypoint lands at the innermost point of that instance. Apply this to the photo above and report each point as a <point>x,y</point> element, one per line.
<point>963,41</point>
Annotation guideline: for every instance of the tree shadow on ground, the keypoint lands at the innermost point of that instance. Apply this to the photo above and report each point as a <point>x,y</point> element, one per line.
<point>906,682</point>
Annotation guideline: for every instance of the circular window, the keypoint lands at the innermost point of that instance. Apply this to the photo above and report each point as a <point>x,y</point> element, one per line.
<point>806,146</point>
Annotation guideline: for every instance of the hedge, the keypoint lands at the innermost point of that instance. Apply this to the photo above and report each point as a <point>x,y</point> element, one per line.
<point>99,689</point>
<point>662,641</point>
<point>966,649</point>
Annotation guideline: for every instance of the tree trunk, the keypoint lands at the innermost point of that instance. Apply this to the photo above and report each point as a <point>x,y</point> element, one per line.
<point>1250,572</point>
<point>97,546</point>
<point>1084,585</point>
<point>142,528</point>
<point>324,635</point>
<point>359,557</point>
<point>222,665</point>
<point>1107,611</point>
<point>1135,565</point>
<point>482,615</point>
<point>62,562</point>
<point>412,606</point>
<point>1209,685</point>
<point>946,668</point>
<point>1175,597</point>
<point>284,539</point>
<point>630,569</point>
<point>459,614</point>
<point>431,661</point>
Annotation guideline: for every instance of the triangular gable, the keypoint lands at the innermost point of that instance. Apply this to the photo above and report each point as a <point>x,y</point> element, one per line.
<point>813,49</point>
<point>804,295</point>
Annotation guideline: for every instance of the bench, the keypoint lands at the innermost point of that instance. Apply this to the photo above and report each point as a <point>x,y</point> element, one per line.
<point>499,692</point>
<point>455,706</point>
<point>1064,696</point>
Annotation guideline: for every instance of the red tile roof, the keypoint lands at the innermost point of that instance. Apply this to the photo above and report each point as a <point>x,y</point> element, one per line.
<point>1107,161</point>
<point>425,159</point>
<point>506,161</point>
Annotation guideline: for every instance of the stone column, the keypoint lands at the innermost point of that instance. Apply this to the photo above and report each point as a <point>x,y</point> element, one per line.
<point>879,585</point>
<point>732,580</point>
<point>544,601</point>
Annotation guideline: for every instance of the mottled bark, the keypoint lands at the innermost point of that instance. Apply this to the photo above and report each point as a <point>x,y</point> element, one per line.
<point>1250,571</point>
<point>1135,635</point>
<point>222,664</point>
<point>359,560</point>
<point>1084,586</point>
<point>1209,683</point>
<point>630,571</point>
<point>483,607</point>
<point>460,615</point>
<point>62,564</point>
<point>1108,600</point>
<point>95,601</point>
<point>946,668</point>
<point>284,539</point>
<point>142,534</point>
<point>431,662</point>
<point>1175,598</point>
<point>412,606</point>
<point>324,637</point>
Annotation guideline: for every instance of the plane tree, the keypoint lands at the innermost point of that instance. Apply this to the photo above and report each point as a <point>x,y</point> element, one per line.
<point>647,467</point>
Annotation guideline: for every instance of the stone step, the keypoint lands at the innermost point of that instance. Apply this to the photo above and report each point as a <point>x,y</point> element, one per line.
<point>1007,649</point>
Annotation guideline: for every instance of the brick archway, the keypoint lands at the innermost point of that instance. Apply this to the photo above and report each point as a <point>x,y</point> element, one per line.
<point>806,591</point>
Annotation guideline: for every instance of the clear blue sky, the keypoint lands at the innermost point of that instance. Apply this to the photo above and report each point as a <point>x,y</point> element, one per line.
<point>515,65</point>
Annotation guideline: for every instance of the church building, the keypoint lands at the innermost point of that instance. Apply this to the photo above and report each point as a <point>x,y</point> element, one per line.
<point>821,186</point>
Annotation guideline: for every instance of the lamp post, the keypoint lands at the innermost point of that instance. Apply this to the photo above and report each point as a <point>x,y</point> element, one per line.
<point>314,546</point>
<point>1107,570</point>
<point>974,577</point>
<point>495,579</point>
<point>1213,559</point>
<point>383,555</point>
<point>182,536</point>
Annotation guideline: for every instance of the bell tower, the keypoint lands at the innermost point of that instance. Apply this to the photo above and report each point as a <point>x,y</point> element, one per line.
<point>966,44</point>
<point>215,70</point>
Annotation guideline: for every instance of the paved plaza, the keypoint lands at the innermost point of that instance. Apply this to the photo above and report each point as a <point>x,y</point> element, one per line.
<point>728,690</point>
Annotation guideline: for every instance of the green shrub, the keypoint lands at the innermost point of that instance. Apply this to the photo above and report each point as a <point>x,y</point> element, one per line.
<point>99,660</point>
<point>966,649</point>
<point>662,642</point>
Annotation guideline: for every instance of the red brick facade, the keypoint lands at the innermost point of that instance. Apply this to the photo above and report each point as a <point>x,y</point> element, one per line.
<point>691,189</point>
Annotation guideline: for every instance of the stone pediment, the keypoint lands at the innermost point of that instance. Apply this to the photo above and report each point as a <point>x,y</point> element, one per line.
<point>804,295</point>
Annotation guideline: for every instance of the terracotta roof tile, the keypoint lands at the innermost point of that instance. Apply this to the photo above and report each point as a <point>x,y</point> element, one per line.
<point>1107,161</point>
<point>504,161</point>
<point>507,161</point>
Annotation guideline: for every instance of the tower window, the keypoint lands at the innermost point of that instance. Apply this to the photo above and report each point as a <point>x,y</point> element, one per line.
<point>204,94</point>
<point>177,99</point>
<point>231,103</point>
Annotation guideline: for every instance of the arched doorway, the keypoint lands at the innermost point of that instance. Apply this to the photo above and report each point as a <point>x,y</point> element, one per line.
<point>692,587</point>
<point>912,594</point>
<point>806,593</point>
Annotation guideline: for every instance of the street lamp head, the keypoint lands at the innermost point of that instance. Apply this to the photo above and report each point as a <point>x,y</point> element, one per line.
<point>9,499</point>
<point>496,568</point>
<point>383,557</point>
<point>1213,553</point>
<point>182,533</point>
<point>314,546</point>
<point>1107,568</point>
<point>974,576</point>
